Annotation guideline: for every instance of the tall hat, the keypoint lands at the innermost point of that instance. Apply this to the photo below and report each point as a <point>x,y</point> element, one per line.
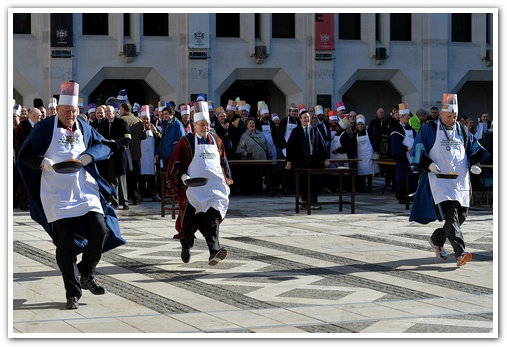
<point>237,99</point>
<point>450,103</point>
<point>145,110</point>
<point>360,119</point>
<point>37,103</point>
<point>122,96</point>
<point>80,102</point>
<point>201,111</point>
<point>161,105</point>
<point>219,110</point>
<point>301,109</point>
<point>403,109</point>
<point>231,105</point>
<point>264,108</point>
<point>184,109</point>
<point>274,116</point>
<point>344,123</point>
<point>69,92</point>
<point>332,115</point>
<point>136,107</point>
<point>293,106</point>
<point>211,107</point>
<point>200,97</point>
<point>91,108</point>
<point>340,106</point>
<point>16,109</point>
<point>318,109</point>
<point>52,103</point>
<point>242,106</point>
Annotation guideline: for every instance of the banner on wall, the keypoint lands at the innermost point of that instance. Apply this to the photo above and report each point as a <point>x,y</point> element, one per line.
<point>62,34</point>
<point>199,30</point>
<point>324,31</point>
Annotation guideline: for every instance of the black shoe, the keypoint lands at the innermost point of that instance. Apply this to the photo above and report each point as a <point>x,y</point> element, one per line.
<point>23,206</point>
<point>185,255</point>
<point>72,303</point>
<point>126,206</point>
<point>89,282</point>
<point>217,256</point>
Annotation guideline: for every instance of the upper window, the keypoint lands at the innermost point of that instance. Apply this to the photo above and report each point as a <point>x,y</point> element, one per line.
<point>227,24</point>
<point>21,23</point>
<point>156,24</point>
<point>401,27</point>
<point>283,25</point>
<point>349,26</point>
<point>461,27</point>
<point>95,24</point>
<point>126,24</point>
<point>257,26</point>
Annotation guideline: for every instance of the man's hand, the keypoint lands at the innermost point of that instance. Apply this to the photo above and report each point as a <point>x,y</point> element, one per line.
<point>434,168</point>
<point>86,159</point>
<point>476,170</point>
<point>47,164</point>
<point>184,177</point>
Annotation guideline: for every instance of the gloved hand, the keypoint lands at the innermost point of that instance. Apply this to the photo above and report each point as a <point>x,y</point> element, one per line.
<point>184,177</point>
<point>47,164</point>
<point>375,156</point>
<point>476,170</point>
<point>434,168</point>
<point>86,159</point>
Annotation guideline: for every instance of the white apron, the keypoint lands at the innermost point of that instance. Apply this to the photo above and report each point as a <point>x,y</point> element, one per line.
<point>366,166</point>
<point>148,154</point>
<point>335,144</point>
<point>286,136</point>
<point>72,194</point>
<point>215,193</point>
<point>408,141</point>
<point>448,153</point>
<point>266,130</point>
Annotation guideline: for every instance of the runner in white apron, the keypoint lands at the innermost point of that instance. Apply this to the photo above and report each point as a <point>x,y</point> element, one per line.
<point>290,127</point>
<point>81,193</point>
<point>365,166</point>
<point>215,193</point>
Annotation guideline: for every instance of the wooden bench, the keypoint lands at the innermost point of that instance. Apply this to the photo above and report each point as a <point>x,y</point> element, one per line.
<point>163,198</point>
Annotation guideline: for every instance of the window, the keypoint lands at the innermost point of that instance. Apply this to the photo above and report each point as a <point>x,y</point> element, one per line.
<point>489,35</point>
<point>349,26</point>
<point>95,24</point>
<point>227,24</point>
<point>126,24</point>
<point>155,24</point>
<point>401,27</point>
<point>257,26</point>
<point>461,27</point>
<point>378,27</point>
<point>283,25</point>
<point>21,23</point>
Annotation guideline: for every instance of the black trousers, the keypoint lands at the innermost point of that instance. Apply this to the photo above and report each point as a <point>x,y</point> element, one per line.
<point>66,254</point>
<point>455,215</point>
<point>208,224</point>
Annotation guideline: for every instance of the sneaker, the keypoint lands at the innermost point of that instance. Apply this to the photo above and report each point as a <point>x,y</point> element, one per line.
<point>463,259</point>
<point>316,206</point>
<point>89,282</point>
<point>439,251</point>
<point>72,303</point>
<point>218,256</point>
<point>185,255</point>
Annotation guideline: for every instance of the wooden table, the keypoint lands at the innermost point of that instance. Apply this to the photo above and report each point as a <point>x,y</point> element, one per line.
<point>327,171</point>
<point>266,163</point>
<point>407,183</point>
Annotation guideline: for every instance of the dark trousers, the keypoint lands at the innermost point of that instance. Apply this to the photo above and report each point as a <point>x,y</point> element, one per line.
<point>208,224</point>
<point>133,181</point>
<point>455,215</point>
<point>66,256</point>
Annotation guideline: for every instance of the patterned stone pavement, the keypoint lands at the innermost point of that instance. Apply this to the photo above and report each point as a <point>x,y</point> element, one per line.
<point>332,272</point>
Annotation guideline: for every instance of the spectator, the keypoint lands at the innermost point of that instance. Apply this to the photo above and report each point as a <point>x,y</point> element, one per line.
<point>172,131</point>
<point>364,148</point>
<point>149,175</point>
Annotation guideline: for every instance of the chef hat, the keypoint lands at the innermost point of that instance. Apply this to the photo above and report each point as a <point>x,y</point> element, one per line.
<point>301,109</point>
<point>319,109</point>
<point>450,103</point>
<point>332,115</point>
<point>231,105</point>
<point>136,107</point>
<point>145,110</point>
<point>403,109</point>
<point>344,123</point>
<point>237,99</point>
<point>116,106</point>
<point>69,92</point>
<point>242,106</point>
<point>201,111</point>
<point>200,97</point>
<point>80,102</point>
<point>91,108</point>
<point>184,109</point>
<point>16,109</point>
<point>52,103</point>
<point>340,106</point>
<point>122,95</point>
<point>161,105</point>
<point>360,119</point>
<point>293,106</point>
<point>37,103</point>
<point>275,116</point>
<point>211,107</point>
<point>219,110</point>
<point>264,109</point>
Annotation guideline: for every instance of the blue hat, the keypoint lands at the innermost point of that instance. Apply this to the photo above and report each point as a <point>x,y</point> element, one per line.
<point>201,97</point>
<point>122,96</point>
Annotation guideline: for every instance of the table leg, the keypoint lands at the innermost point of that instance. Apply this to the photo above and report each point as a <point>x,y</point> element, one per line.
<point>353,193</point>
<point>297,190</point>
<point>341,192</point>
<point>309,193</point>
<point>162,194</point>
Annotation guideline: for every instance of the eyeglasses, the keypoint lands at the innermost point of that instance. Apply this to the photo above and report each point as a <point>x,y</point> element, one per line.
<point>352,116</point>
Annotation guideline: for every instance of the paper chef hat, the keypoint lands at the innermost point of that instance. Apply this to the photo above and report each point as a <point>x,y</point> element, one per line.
<point>332,115</point>
<point>242,106</point>
<point>231,105</point>
<point>403,109</point>
<point>301,109</point>
<point>211,107</point>
<point>264,109</point>
<point>161,105</point>
<point>69,92</point>
<point>91,108</point>
<point>340,106</point>
<point>201,111</point>
<point>344,123</point>
<point>122,95</point>
<point>80,102</point>
<point>52,103</point>
<point>136,107</point>
<point>184,109</point>
<point>318,109</point>
<point>360,119</point>
<point>16,109</point>
<point>275,116</point>
<point>145,110</point>
<point>293,106</point>
<point>220,109</point>
<point>450,103</point>
<point>200,97</point>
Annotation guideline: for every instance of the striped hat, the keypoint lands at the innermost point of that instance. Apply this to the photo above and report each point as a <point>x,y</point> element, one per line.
<point>69,92</point>
<point>403,109</point>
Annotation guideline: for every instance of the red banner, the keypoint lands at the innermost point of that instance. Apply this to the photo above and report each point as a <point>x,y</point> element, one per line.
<point>324,31</point>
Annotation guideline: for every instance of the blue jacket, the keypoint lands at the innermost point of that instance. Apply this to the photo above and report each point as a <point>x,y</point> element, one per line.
<point>172,132</point>
<point>29,159</point>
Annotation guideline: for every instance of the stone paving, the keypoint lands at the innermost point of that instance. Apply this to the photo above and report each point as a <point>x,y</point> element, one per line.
<point>332,273</point>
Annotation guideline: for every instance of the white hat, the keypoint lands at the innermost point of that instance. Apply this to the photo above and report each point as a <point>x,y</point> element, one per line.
<point>145,110</point>
<point>360,119</point>
<point>231,105</point>
<point>318,109</point>
<point>211,107</point>
<point>201,111</point>
<point>161,105</point>
<point>301,109</point>
<point>92,108</point>
<point>16,109</point>
<point>263,108</point>
<point>403,109</point>
<point>69,92</point>
<point>344,123</point>
<point>122,95</point>
<point>184,109</point>
<point>340,106</point>
<point>136,107</point>
<point>200,97</point>
<point>450,103</point>
<point>242,106</point>
<point>52,103</point>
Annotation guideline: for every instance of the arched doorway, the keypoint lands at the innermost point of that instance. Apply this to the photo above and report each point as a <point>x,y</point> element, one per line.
<point>252,91</point>
<point>137,91</point>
